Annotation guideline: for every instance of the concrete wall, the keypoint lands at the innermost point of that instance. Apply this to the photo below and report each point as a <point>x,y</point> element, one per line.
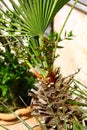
<point>74,53</point>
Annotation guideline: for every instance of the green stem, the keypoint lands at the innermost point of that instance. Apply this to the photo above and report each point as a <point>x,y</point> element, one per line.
<point>29,64</point>
<point>34,51</point>
<point>67,17</point>
<point>64,25</point>
<point>42,72</point>
<point>44,64</point>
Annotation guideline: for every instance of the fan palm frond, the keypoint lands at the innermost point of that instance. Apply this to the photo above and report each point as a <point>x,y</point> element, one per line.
<point>31,17</point>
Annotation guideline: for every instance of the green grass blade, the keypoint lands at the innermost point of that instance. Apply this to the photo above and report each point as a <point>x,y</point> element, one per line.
<point>61,30</point>
<point>4,127</point>
<point>40,123</point>
<point>22,121</point>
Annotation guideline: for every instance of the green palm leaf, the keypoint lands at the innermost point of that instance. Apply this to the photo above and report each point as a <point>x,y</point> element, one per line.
<point>32,17</point>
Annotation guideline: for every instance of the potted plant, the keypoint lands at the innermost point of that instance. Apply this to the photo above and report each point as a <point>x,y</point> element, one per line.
<point>15,82</point>
<point>15,78</point>
<point>53,96</point>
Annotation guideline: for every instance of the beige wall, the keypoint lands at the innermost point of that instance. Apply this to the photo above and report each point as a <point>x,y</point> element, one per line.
<point>77,22</point>
<point>74,53</point>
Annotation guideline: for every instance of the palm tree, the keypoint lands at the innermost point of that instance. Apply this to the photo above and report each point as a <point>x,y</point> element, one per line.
<point>30,18</point>
<point>52,97</point>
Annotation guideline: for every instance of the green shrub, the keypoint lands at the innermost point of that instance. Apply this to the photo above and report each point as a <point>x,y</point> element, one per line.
<point>15,78</point>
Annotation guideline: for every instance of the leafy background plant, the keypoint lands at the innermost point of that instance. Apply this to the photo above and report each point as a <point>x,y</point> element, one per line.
<point>15,78</point>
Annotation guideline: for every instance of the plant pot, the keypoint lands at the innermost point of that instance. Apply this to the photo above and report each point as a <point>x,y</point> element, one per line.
<point>11,122</point>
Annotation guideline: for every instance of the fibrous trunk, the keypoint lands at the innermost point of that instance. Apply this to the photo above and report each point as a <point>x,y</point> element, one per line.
<point>50,99</point>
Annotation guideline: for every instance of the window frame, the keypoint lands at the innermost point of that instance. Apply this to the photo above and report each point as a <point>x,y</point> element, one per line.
<point>81,5</point>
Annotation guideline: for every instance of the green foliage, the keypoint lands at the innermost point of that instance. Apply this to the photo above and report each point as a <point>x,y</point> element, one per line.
<point>78,126</point>
<point>42,55</point>
<point>31,17</point>
<point>29,20</point>
<point>15,78</point>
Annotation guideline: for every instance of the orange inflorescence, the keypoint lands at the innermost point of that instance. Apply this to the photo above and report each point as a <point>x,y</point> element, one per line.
<point>51,77</point>
<point>36,73</point>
